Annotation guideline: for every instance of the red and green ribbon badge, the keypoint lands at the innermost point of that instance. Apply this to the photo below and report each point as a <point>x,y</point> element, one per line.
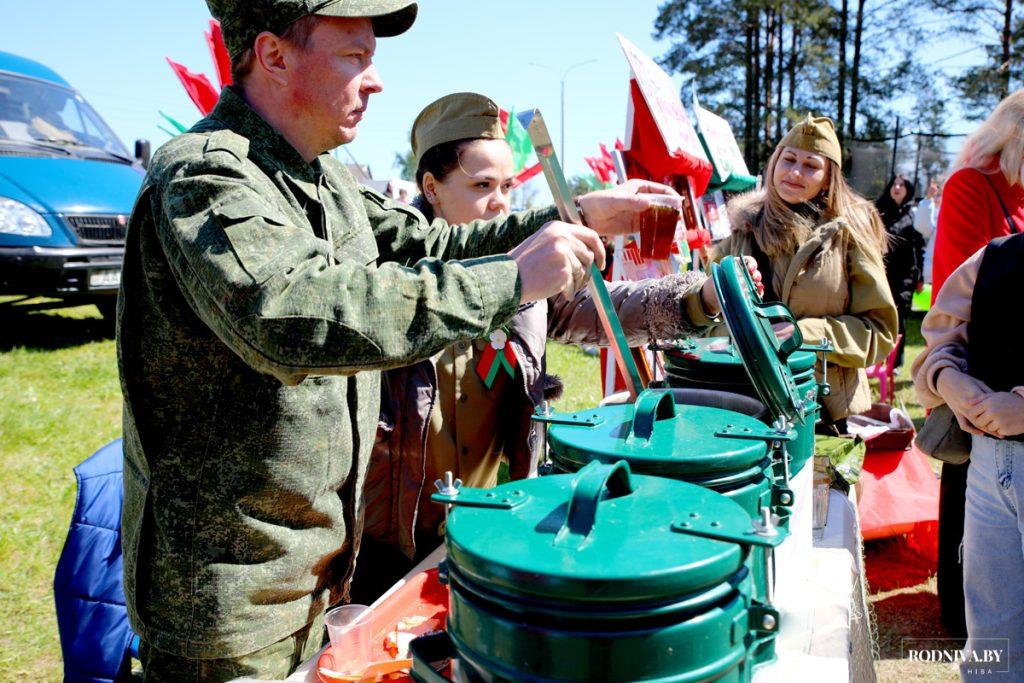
<point>498,354</point>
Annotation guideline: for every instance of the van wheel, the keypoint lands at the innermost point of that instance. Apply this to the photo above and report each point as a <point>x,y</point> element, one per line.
<point>108,308</point>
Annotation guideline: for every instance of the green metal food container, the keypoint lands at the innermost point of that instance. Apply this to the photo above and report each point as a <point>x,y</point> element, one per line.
<point>601,575</point>
<point>713,363</point>
<point>723,451</point>
<point>781,373</point>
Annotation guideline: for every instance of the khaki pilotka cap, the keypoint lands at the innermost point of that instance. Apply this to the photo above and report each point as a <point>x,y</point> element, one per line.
<point>454,117</point>
<point>815,134</point>
<point>242,20</point>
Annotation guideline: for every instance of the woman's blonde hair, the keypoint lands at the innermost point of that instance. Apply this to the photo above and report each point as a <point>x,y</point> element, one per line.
<point>783,229</point>
<point>999,139</point>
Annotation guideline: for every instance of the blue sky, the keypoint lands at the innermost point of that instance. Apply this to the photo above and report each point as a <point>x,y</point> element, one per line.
<point>113,51</point>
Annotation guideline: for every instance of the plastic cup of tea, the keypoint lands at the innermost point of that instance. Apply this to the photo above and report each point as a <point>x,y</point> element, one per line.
<point>658,226</point>
<point>350,629</point>
<point>819,498</point>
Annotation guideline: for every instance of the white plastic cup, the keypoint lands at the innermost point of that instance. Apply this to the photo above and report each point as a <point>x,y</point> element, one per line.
<point>350,628</point>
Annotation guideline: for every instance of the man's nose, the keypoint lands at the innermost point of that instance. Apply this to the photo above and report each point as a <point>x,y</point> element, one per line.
<point>372,82</point>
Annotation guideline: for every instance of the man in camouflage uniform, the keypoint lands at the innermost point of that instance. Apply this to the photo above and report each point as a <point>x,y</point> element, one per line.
<point>263,290</point>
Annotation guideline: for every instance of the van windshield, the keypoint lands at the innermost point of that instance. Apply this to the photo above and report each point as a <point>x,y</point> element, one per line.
<point>35,111</point>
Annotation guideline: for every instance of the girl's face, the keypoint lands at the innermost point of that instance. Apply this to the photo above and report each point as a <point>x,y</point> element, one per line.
<point>799,175</point>
<point>479,188</point>
<point>898,191</point>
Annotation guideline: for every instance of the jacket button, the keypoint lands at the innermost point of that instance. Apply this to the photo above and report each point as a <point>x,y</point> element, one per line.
<point>464,398</point>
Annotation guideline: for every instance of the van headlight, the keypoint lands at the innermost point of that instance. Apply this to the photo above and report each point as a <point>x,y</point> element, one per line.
<point>19,219</point>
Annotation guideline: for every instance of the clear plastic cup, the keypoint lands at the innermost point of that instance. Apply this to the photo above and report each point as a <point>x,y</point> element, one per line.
<point>819,498</point>
<point>350,628</point>
<point>658,226</point>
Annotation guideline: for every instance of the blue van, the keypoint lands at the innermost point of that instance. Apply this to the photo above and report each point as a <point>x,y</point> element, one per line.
<point>67,185</point>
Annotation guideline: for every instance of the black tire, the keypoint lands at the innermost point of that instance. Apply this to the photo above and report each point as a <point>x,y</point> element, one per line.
<point>950,578</point>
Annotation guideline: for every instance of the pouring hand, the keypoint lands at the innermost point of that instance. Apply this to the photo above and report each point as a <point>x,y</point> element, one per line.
<point>617,211</point>
<point>557,259</point>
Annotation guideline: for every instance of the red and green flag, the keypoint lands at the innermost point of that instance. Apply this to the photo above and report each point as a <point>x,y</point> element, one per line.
<point>519,140</point>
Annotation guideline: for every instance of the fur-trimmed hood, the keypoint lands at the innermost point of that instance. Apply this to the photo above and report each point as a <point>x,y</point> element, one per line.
<point>744,211</point>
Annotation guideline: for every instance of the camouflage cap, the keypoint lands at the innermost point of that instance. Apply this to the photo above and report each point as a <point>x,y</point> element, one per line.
<point>457,116</point>
<point>243,20</point>
<point>815,134</point>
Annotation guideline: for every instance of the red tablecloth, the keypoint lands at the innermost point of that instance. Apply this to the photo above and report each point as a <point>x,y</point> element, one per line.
<point>898,493</point>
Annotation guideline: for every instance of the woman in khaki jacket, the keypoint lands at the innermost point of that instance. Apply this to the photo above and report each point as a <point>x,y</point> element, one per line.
<point>819,248</point>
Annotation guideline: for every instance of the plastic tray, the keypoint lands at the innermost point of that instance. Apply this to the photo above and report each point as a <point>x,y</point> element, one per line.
<point>420,596</point>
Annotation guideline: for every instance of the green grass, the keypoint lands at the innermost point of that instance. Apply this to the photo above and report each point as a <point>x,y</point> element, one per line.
<point>61,401</point>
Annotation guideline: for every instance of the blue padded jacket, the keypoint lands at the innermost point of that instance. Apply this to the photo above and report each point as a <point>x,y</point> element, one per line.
<point>88,590</point>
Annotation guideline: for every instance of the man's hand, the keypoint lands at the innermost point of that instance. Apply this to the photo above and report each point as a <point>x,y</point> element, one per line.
<point>617,211</point>
<point>709,295</point>
<point>920,286</point>
<point>960,392</point>
<point>1000,414</point>
<point>556,259</point>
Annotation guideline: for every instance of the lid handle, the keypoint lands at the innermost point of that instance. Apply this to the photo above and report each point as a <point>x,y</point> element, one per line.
<point>588,487</point>
<point>651,405</point>
<point>778,312</point>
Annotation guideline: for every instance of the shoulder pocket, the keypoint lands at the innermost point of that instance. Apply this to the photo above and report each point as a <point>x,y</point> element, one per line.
<point>388,204</point>
<point>263,242</point>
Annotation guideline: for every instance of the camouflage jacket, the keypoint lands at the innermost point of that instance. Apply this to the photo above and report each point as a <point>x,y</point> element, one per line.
<point>261,295</point>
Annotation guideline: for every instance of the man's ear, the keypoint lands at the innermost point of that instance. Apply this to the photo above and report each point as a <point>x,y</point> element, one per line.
<point>269,51</point>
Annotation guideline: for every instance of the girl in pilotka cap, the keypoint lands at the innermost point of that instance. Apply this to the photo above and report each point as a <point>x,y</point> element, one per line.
<point>443,414</point>
<point>819,247</point>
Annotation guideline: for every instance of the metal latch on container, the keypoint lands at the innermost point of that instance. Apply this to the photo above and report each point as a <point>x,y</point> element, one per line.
<point>762,619</point>
<point>482,498</point>
<point>696,524</point>
<point>782,496</point>
<point>822,348</point>
<point>578,419</point>
<point>764,433</point>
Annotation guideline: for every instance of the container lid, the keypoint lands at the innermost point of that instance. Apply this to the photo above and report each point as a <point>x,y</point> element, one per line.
<point>712,356</point>
<point>602,535</point>
<point>658,437</point>
<point>750,326</point>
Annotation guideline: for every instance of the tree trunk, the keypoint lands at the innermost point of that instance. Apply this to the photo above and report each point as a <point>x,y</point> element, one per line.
<point>769,71</point>
<point>779,74</point>
<point>1006,40</point>
<point>844,15</point>
<point>750,91</point>
<point>756,122</point>
<point>855,71</point>
<point>794,50</point>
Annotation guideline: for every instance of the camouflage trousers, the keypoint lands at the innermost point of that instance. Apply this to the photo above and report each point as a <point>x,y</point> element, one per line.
<point>274,662</point>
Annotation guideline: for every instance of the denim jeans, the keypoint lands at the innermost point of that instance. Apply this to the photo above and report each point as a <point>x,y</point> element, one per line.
<point>994,558</point>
